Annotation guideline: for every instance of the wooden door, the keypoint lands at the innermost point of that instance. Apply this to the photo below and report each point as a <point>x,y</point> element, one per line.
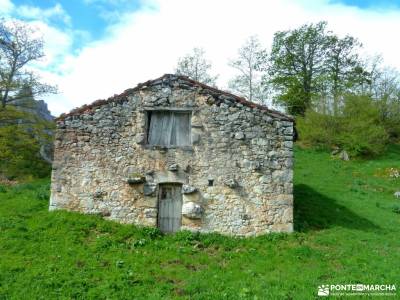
<point>169,207</point>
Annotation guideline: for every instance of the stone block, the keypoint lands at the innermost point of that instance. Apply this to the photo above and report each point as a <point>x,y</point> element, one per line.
<point>149,189</point>
<point>239,135</point>
<point>173,167</point>
<point>188,189</point>
<point>150,212</point>
<point>232,183</point>
<point>192,210</point>
<point>136,180</point>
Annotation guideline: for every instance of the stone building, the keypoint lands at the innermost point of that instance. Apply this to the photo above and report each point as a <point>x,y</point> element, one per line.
<point>177,154</point>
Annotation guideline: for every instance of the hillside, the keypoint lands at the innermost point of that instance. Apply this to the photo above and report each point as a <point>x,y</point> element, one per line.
<point>347,224</point>
<point>26,139</point>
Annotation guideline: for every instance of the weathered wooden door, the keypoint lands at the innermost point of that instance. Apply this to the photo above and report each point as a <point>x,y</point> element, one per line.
<point>170,207</point>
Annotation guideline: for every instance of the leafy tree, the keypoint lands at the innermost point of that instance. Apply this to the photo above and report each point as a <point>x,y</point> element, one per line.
<point>385,89</point>
<point>298,64</point>
<point>19,47</point>
<point>251,63</point>
<point>382,84</point>
<point>196,67</point>
<point>342,62</point>
<point>366,75</point>
<point>310,65</point>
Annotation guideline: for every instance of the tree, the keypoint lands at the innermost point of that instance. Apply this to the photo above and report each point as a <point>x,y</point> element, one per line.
<point>385,90</point>
<point>366,75</point>
<point>251,63</point>
<point>196,67</point>
<point>298,65</point>
<point>342,61</point>
<point>19,47</point>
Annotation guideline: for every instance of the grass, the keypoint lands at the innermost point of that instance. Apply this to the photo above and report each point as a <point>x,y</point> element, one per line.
<point>347,231</point>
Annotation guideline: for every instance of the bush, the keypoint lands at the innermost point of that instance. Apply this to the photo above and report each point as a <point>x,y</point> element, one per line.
<point>396,209</point>
<point>362,132</point>
<point>318,130</point>
<point>21,135</point>
<point>357,129</point>
<point>390,116</point>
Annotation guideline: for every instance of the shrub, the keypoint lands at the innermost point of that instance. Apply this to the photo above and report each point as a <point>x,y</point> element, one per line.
<point>356,129</point>
<point>362,132</point>
<point>21,136</point>
<point>390,115</point>
<point>396,209</point>
<point>318,130</point>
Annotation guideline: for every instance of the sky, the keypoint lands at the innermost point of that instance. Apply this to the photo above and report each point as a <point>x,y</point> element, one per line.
<point>97,48</point>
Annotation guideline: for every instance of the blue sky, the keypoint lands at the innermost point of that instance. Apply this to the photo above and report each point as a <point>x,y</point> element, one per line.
<point>90,16</point>
<point>93,17</point>
<point>371,4</point>
<point>97,48</point>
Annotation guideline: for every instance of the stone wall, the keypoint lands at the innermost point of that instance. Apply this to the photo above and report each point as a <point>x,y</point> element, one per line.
<point>103,165</point>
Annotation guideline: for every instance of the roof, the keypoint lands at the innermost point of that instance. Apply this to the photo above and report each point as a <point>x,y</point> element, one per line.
<point>218,95</point>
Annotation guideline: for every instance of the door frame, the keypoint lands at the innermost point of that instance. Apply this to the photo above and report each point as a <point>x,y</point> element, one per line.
<point>159,191</point>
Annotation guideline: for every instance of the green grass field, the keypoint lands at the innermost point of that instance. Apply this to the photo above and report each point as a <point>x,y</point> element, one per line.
<point>347,231</point>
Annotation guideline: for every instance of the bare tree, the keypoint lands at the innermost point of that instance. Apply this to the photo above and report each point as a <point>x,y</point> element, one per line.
<point>195,66</point>
<point>19,46</point>
<point>251,63</point>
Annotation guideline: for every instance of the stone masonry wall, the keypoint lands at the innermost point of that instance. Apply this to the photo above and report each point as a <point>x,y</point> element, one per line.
<point>103,165</point>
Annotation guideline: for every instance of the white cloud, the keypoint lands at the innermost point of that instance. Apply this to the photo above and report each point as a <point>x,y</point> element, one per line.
<point>35,13</point>
<point>6,7</point>
<point>147,43</point>
<point>58,42</point>
<point>57,46</point>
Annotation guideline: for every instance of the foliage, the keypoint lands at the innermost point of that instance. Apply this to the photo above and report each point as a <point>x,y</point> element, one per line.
<point>342,61</point>
<point>318,130</point>
<point>196,67</point>
<point>311,64</point>
<point>19,46</point>
<point>65,255</point>
<point>362,132</point>
<point>396,208</point>
<point>357,129</point>
<point>390,117</point>
<point>251,63</point>
<point>385,89</point>
<point>297,63</point>
<point>21,136</point>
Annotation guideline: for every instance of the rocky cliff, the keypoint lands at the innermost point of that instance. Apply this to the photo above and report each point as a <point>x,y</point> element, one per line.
<point>36,107</point>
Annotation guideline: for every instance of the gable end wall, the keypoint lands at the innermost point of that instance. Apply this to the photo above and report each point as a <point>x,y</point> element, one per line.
<point>247,153</point>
